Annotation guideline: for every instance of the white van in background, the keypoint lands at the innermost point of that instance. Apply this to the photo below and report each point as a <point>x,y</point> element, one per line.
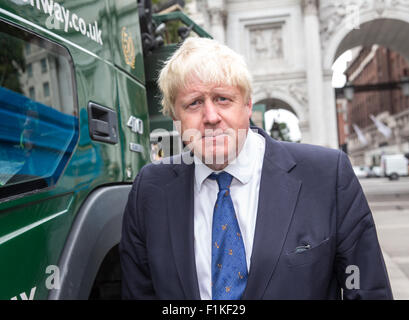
<point>394,166</point>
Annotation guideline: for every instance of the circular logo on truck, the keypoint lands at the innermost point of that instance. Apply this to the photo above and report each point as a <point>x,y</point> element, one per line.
<point>128,48</point>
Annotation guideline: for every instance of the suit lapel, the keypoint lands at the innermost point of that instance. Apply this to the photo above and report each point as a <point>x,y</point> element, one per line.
<point>277,199</point>
<point>180,197</point>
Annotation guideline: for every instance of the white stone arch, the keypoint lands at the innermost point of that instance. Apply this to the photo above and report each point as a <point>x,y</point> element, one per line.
<point>335,39</point>
<point>377,21</point>
<point>316,32</point>
<point>299,109</point>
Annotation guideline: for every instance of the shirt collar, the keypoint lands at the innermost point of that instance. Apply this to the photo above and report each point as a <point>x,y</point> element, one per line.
<point>241,168</point>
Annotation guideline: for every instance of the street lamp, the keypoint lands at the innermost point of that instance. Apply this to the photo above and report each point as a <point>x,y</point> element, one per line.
<point>404,84</point>
<point>275,131</point>
<point>349,91</point>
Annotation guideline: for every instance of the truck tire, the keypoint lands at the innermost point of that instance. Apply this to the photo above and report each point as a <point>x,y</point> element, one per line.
<point>107,285</point>
<point>393,176</point>
<point>89,263</point>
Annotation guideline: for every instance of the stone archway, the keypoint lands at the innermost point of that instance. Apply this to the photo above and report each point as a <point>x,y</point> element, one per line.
<point>386,32</point>
<point>374,22</point>
<point>384,26</point>
<point>308,35</point>
<point>272,103</point>
<point>289,100</point>
<point>270,117</point>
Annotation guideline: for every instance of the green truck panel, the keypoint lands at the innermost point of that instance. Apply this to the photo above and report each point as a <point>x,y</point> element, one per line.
<point>102,63</point>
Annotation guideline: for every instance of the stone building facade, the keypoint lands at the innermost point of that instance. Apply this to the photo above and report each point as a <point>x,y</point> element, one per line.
<point>291,45</point>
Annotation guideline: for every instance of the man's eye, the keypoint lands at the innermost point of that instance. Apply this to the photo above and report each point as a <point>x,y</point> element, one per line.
<point>194,103</point>
<point>222,99</point>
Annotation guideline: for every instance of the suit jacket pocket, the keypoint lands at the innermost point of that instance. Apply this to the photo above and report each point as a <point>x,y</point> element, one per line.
<point>307,257</point>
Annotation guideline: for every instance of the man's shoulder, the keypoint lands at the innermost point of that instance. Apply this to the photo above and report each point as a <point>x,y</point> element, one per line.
<point>312,163</point>
<point>309,149</point>
<point>282,151</point>
<point>311,154</point>
<point>166,169</point>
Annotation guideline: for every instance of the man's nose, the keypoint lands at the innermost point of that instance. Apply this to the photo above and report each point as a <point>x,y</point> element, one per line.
<point>211,113</point>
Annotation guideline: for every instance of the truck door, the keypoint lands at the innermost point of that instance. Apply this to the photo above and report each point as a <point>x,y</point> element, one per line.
<point>38,134</point>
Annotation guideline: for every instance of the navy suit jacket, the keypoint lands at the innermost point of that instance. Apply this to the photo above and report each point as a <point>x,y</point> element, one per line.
<point>309,195</point>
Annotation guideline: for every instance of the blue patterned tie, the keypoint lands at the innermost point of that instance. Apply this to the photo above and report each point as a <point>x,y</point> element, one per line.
<point>229,268</point>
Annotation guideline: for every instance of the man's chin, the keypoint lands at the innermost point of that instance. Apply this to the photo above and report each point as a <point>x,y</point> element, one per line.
<point>217,157</point>
<point>212,152</point>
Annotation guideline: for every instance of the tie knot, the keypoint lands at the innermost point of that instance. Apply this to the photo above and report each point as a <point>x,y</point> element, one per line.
<point>223,179</point>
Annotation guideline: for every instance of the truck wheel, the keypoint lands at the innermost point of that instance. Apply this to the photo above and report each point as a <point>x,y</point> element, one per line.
<point>107,285</point>
<point>394,176</point>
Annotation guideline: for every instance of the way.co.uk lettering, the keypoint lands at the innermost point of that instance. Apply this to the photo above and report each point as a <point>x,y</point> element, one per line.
<point>59,15</point>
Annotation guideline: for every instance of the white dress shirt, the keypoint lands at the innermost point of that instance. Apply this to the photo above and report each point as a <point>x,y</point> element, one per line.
<point>244,190</point>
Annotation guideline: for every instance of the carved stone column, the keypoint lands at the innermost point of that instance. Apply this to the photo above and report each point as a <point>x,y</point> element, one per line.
<point>310,7</point>
<point>315,80</point>
<point>217,18</point>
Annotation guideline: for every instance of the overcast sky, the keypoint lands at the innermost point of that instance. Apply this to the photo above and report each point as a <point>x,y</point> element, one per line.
<point>340,65</point>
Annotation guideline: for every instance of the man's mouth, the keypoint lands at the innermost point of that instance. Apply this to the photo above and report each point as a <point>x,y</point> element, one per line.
<point>216,138</point>
<point>214,134</point>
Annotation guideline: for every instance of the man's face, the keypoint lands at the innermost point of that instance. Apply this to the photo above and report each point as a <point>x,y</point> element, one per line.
<point>214,120</point>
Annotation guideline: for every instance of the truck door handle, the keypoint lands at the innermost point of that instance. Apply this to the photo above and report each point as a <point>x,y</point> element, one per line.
<point>102,123</point>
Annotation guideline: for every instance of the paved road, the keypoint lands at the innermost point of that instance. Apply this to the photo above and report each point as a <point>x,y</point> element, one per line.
<point>389,202</point>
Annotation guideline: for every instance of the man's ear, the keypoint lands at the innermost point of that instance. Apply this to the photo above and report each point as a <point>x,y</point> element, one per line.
<point>173,116</point>
<point>249,105</point>
<point>177,125</point>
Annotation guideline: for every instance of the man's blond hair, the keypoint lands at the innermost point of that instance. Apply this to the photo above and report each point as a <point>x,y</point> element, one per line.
<point>204,59</point>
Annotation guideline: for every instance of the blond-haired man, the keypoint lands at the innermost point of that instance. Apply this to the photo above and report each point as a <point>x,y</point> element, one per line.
<point>240,215</point>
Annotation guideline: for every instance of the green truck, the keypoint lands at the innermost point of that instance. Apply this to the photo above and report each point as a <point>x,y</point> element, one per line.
<point>79,117</point>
